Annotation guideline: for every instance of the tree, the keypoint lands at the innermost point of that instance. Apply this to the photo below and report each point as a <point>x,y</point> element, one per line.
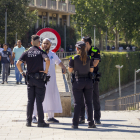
<point>19,19</point>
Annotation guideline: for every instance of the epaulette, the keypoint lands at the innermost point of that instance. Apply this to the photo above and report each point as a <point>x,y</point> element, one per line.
<point>74,56</point>
<point>94,49</point>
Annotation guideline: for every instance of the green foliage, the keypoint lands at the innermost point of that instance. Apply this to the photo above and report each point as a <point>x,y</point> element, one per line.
<point>19,19</point>
<point>113,16</point>
<point>110,78</point>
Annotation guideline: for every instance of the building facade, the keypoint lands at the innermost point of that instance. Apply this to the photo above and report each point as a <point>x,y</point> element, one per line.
<point>54,12</point>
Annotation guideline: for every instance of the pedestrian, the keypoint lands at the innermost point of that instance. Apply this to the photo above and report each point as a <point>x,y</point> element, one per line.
<point>94,53</point>
<point>113,47</point>
<point>17,52</point>
<point>82,86</point>
<point>35,82</point>
<point>52,101</point>
<point>6,59</point>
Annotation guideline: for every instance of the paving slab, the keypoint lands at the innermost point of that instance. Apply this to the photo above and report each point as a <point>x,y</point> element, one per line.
<point>122,125</point>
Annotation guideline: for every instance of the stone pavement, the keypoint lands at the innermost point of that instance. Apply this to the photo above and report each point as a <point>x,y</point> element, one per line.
<point>122,125</point>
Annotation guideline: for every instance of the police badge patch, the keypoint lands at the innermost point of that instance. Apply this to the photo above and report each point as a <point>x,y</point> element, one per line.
<point>92,54</point>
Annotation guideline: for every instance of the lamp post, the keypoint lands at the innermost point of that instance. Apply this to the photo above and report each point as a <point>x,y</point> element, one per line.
<point>135,73</point>
<point>94,34</point>
<point>65,35</point>
<point>6,26</point>
<point>119,67</point>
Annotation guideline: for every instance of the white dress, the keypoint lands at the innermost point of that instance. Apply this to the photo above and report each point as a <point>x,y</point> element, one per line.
<point>52,102</point>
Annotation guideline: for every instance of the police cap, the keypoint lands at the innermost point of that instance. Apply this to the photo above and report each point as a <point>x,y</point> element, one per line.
<point>80,44</point>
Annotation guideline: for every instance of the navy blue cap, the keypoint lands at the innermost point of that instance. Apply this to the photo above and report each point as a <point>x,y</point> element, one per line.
<point>80,44</point>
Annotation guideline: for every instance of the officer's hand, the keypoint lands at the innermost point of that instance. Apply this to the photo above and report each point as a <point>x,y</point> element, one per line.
<point>64,70</point>
<point>44,72</point>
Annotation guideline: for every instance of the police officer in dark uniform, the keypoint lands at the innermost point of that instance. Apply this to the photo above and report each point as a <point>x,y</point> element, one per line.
<point>35,76</point>
<point>94,53</point>
<point>82,85</point>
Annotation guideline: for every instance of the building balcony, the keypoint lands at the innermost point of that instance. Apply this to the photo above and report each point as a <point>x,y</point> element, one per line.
<point>53,5</point>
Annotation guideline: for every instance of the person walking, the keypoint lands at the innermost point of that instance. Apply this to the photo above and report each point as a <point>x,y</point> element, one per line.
<point>52,101</point>
<point>5,58</point>
<point>82,86</point>
<point>35,82</point>
<point>17,52</point>
<point>94,53</point>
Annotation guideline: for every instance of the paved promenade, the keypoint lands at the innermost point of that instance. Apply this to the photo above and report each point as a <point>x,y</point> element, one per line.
<point>123,125</point>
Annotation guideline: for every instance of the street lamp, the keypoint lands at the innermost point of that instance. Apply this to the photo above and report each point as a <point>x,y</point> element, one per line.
<point>135,79</point>
<point>94,34</point>
<point>65,35</point>
<point>6,26</point>
<point>119,67</point>
<point>81,29</point>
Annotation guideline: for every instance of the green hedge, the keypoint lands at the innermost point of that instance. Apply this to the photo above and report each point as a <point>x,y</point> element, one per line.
<point>109,79</point>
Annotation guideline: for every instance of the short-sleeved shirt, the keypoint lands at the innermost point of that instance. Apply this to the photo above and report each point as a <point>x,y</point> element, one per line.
<point>95,55</point>
<point>18,52</point>
<point>34,59</point>
<point>5,57</point>
<point>77,64</point>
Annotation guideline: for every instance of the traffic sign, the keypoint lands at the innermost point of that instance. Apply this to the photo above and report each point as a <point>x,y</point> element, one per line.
<point>53,35</point>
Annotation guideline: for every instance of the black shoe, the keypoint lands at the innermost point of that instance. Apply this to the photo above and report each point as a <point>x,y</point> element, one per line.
<point>43,124</point>
<point>20,83</point>
<point>34,120</point>
<point>74,126</point>
<point>53,120</point>
<point>81,121</point>
<point>92,126</point>
<point>2,83</point>
<point>97,122</point>
<point>28,124</point>
<point>17,83</point>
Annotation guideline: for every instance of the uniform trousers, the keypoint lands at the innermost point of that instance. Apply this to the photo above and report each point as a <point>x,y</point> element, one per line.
<point>36,90</point>
<point>5,69</point>
<point>83,87</point>
<point>96,103</point>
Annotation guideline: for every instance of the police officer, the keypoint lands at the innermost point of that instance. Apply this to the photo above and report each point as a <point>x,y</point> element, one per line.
<point>82,65</point>
<point>94,53</point>
<point>34,58</point>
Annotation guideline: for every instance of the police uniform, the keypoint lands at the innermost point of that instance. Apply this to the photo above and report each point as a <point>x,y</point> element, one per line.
<point>82,86</point>
<point>94,53</point>
<point>35,86</point>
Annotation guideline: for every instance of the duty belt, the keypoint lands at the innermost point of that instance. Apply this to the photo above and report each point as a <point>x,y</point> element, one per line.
<point>36,75</point>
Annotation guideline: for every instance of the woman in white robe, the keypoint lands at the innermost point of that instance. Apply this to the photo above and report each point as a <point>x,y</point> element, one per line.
<point>52,102</point>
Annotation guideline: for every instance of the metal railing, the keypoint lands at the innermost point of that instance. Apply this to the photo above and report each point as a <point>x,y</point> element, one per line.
<point>71,8</point>
<point>64,54</point>
<point>41,3</point>
<point>130,102</point>
<point>62,6</point>
<point>51,4</point>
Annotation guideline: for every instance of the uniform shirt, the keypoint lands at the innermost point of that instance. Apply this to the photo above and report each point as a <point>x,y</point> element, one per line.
<point>18,52</point>
<point>5,57</point>
<point>75,62</point>
<point>34,58</point>
<point>95,55</point>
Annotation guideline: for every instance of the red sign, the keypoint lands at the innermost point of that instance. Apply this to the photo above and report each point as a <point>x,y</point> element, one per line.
<point>52,35</point>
